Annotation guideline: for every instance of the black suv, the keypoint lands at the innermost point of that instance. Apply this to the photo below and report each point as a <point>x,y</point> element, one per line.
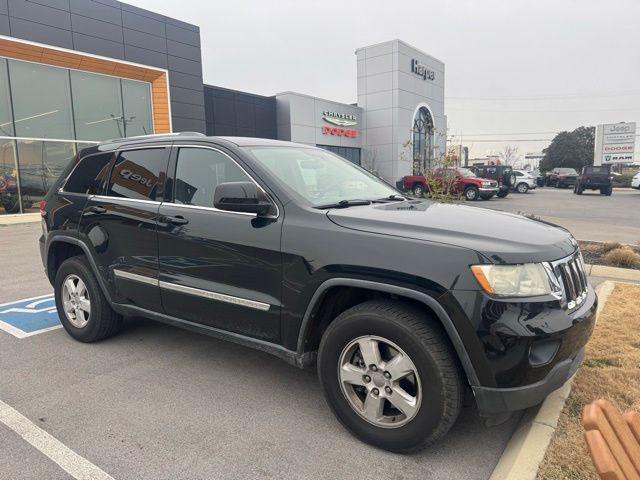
<point>292,250</point>
<point>561,177</point>
<point>503,174</point>
<point>595,177</point>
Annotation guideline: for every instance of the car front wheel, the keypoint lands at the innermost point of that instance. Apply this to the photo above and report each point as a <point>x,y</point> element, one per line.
<point>418,190</point>
<point>390,375</point>
<point>471,193</point>
<point>523,188</point>
<point>82,307</point>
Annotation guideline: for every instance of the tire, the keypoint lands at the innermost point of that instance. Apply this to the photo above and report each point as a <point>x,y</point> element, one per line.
<point>522,187</point>
<point>609,191</point>
<point>578,190</point>
<point>418,190</point>
<point>422,340</point>
<point>503,193</point>
<point>471,193</point>
<point>512,180</point>
<point>101,320</point>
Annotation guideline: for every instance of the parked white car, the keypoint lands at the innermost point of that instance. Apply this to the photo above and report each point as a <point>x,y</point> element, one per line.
<point>524,181</point>
<point>635,181</point>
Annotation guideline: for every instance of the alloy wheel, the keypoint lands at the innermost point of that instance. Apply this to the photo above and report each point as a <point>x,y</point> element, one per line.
<point>379,381</point>
<point>75,301</point>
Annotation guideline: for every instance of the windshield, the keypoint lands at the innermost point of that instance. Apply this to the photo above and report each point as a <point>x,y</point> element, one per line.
<point>596,170</point>
<point>570,171</point>
<point>319,176</point>
<point>465,172</point>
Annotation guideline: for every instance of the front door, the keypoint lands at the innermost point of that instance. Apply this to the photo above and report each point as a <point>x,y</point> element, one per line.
<point>217,268</point>
<point>119,226</point>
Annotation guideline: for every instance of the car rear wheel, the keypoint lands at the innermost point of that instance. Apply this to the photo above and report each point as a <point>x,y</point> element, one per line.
<point>578,190</point>
<point>390,375</point>
<point>471,193</point>
<point>83,309</point>
<point>418,190</point>
<point>522,187</point>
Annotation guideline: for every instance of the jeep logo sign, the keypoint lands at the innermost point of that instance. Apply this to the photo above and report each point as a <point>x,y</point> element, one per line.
<point>422,70</point>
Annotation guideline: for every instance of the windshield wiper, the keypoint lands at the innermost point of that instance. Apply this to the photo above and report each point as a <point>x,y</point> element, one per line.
<point>345,204</point>
<point>395,196</point>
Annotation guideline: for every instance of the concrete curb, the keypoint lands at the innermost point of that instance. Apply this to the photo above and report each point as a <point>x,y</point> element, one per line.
<point>17,218</point>
<point>613,272</point>
<point>528,445</point>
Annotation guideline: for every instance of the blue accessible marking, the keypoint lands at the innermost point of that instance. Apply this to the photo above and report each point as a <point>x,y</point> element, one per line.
<point>30,316</point>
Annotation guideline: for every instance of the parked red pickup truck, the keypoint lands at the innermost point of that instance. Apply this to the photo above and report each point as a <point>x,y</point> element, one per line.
<point>466,183</point>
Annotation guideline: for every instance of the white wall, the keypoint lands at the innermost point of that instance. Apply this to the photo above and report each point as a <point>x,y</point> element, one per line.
<point>390,93</point>
<point>299,119</point>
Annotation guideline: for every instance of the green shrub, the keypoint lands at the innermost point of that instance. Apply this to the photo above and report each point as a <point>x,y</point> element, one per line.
<point>622,181</point>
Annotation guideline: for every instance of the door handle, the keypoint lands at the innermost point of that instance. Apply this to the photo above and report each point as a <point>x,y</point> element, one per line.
<point>177,220</point>
<point>96,209</point>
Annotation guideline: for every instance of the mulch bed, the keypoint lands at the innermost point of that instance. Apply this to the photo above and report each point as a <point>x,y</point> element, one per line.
<point>594,255</point>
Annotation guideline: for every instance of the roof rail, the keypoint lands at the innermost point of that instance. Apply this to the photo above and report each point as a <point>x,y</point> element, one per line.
<point>152,135</point>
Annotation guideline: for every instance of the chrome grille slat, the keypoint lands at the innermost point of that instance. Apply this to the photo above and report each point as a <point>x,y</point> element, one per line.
<point>570,274</point>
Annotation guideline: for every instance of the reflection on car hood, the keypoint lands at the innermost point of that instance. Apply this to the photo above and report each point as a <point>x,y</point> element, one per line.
<point>501,237</point>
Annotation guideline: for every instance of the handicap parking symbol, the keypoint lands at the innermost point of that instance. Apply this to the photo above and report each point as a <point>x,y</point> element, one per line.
<point>30,316</point>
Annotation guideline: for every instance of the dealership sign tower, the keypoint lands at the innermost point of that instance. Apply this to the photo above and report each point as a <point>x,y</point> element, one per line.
<point>615,143</point>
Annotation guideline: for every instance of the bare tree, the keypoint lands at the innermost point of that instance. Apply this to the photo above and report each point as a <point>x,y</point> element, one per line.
<point>510,155</point>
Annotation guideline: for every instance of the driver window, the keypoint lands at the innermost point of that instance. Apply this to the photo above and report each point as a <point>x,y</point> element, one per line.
<point>199,171</point>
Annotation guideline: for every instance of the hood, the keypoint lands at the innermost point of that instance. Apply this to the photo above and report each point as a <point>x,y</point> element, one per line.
<point>499,236</point>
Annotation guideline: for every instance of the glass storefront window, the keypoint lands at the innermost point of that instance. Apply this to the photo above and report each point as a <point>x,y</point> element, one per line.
<point>41,100</point>
<point>97,106</point>
<point>137,107</point>
<point>9,199</point>
<point>40,164</point>
<point>6,120</point>
<point>45,102</point>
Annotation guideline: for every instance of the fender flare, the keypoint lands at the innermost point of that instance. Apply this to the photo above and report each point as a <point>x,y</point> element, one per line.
<point>87,253</point>
<point>424,298</point>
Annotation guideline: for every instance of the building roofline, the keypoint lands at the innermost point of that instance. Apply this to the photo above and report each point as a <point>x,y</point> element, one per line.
<point>289,92</point>
<point>405,44</point>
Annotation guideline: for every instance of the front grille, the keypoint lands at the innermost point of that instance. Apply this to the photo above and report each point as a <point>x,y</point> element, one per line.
<point>572,280</point>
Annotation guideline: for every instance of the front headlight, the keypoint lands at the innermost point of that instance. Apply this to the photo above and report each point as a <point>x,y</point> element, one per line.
<point>526,280</point>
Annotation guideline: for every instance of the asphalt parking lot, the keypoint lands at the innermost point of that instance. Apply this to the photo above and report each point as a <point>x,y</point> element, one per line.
<point>589,216</point>
<point>157,402</point>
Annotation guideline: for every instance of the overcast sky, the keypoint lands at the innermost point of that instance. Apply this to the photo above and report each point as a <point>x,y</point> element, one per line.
<point>511,66</point>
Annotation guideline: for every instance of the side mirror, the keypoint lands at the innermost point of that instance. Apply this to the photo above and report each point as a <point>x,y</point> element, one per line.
<point>241,197</point>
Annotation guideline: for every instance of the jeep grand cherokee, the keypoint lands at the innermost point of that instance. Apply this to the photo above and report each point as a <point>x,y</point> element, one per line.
<point>290,249</point>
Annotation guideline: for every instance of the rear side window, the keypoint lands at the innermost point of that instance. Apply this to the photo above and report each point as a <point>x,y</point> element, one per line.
<point>89,174</point>
<point>199,171</point>
<point>138,174</point>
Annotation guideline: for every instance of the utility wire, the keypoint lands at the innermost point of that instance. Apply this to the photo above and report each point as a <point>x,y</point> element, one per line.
<point>622,93</point>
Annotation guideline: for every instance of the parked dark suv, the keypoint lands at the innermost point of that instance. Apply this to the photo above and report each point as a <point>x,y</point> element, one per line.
<point>299,253</point>
<point>595,177</point>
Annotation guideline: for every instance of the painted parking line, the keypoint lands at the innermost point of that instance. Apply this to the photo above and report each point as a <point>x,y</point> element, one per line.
<point>78,467</point>
<point>29,316</point>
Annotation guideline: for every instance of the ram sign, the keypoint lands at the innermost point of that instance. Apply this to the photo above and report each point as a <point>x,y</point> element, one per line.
<point>615,143</point>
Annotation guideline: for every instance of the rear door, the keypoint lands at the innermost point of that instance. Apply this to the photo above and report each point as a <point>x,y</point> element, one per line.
<point>119,226</point>
<point>217,268</point>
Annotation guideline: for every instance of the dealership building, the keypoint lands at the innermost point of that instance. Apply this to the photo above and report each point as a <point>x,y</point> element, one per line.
<point>76,72</point>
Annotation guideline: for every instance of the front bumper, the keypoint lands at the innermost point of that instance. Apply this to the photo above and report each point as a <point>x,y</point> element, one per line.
<point>488,191</point>
<point>520,350</point>
<point>494,401</point>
